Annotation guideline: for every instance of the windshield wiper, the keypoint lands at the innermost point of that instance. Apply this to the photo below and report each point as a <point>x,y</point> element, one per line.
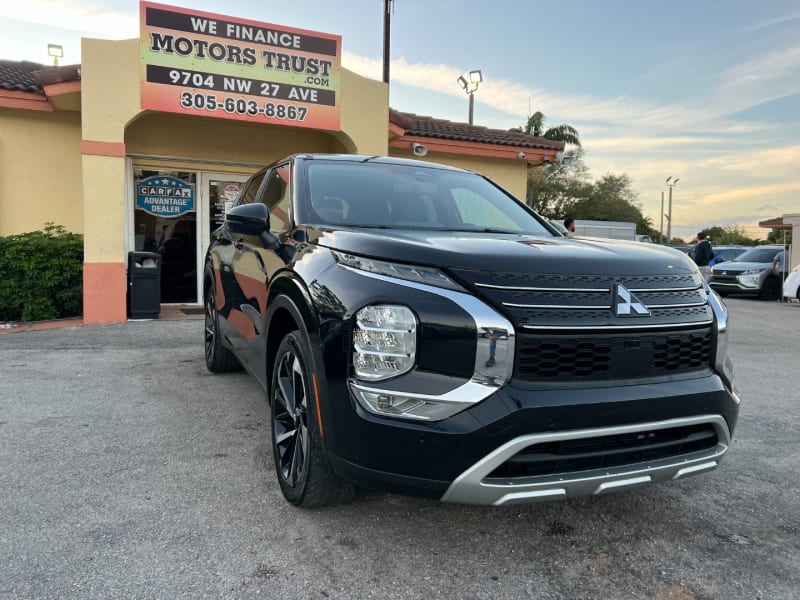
<point>486,230</point>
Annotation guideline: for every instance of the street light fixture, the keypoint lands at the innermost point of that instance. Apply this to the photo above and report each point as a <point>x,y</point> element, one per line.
<point>669,210</point>
<point>469,86</point>
<point>56,52</point>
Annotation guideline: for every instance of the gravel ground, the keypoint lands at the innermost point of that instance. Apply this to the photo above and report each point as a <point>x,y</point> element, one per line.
<point>128,471</point>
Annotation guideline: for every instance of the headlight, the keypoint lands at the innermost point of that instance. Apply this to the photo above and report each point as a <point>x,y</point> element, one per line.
<point>751,281</point>
<point>751,271</point>
<point>384,341</point>
<point>424,275</point>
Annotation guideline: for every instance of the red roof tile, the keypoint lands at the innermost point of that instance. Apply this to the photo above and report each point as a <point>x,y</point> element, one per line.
<point>18,76</point>
<point>416,125</point>
<point>31,77</point>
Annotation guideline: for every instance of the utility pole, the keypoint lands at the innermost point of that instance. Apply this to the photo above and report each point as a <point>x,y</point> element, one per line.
<point>669,210</point>
<point>661,228</point>
<point>388,6</point>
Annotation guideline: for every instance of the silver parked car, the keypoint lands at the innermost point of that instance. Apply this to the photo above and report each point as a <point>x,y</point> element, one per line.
<point>749,273</point>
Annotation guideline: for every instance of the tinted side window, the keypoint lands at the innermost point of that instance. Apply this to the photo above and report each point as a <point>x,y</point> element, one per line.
<point>277,196</point>
<point>249,194</point>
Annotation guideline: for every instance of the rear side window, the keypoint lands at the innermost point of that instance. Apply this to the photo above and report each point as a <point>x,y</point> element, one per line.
<point>277,196</point>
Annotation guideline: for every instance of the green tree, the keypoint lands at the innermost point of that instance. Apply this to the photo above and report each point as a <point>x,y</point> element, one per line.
<point>560,133</point>
<point>612,198</point>
<point>554,188</point>
<point>726,236</point>
<point>775,236</point>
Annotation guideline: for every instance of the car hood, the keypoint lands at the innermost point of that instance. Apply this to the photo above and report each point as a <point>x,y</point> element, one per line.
<point>517,253</point>
<point>738,267</point>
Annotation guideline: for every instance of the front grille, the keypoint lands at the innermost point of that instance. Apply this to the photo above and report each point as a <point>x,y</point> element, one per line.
<point>569,456</point>
<point>723,279</point>
<point>569,302</point>
<point>610,356</point>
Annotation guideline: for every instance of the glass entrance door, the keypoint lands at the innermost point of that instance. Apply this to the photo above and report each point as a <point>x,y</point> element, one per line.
<point>217,192</point>
<point>165,222</point>
<point>174,215</point>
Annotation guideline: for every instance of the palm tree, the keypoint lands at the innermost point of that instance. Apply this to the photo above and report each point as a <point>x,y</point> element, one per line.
<point>560,133</point>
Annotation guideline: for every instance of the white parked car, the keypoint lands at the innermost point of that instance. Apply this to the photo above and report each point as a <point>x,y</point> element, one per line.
<point>791,287</point>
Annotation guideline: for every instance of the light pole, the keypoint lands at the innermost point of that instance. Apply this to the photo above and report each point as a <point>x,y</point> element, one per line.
<point>56,52</point>
<point>469,86</point>
<point>669,210</point>
<point>661,228</point>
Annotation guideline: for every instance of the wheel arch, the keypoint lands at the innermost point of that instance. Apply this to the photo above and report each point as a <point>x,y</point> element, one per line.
<point>290,309</point>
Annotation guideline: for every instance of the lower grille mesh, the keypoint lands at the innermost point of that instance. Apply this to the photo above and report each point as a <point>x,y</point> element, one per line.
<point>553,358</point>
<point>585,454</point>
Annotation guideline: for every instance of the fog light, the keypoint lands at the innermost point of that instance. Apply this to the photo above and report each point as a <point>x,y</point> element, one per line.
<point>393,404</point>
<point>406,406</point>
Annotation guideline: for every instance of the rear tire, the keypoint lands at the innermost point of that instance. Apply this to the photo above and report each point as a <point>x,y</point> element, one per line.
<point>303,471</point>
<point>219,359</point>
<point>771,290</point>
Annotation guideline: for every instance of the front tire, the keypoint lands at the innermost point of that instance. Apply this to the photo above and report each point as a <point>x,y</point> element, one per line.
<point>303,471</point>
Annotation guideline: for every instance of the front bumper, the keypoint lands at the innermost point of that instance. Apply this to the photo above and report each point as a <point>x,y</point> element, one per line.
<point>476,486</point>
<point>749,284</point>
<point>455,460</point>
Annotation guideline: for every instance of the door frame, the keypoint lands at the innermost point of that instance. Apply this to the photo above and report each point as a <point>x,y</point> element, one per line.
<point>204,178</point>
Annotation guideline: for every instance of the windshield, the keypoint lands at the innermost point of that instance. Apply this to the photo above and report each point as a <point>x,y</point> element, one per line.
<point>758,255</point>
<point>372,194</point>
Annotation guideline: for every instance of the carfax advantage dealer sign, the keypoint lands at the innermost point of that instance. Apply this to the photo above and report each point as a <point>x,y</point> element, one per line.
<point>201,63</point>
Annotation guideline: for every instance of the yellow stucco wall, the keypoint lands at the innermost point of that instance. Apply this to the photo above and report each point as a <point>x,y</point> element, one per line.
<point>40,170</point>
<point>109,99</point>
<point>204,138</point>
<point>365,113</point>
<point>509,174</point>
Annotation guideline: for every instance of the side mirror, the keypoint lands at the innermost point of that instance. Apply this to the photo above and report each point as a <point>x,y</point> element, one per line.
<point>252,219</point>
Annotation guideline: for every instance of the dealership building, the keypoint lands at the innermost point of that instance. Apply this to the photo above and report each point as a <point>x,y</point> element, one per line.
<point>144,145</point>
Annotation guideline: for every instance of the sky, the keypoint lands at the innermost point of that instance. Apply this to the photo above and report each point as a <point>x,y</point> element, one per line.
<point>707,91</point>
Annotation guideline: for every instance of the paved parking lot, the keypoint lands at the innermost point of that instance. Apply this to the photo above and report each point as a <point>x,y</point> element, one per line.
<point>128,471</point>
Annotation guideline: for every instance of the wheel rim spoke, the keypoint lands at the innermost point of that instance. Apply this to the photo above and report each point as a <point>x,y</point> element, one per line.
<point>290,430</point>
<point>286,384</point>
<point>210,328</point>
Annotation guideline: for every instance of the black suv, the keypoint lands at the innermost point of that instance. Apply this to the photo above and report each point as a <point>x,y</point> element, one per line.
<point>417,329</point>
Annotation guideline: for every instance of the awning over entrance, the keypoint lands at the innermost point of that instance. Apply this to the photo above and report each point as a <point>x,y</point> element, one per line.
<point>776,223</point>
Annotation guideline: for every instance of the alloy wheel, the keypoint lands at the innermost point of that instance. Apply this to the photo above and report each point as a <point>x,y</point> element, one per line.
<point>290,423</point>
<point>210,325</point>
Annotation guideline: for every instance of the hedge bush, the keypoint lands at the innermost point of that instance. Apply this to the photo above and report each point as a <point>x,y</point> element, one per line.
<point>41,275</point>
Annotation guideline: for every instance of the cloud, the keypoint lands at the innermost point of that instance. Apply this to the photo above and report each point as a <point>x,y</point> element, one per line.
<point>771,76</point>
<point>772,22</point>
<point>579,110</point>
<point>767,161</point>
<point>626,144</point>
<point>722,195</point>
<point>74,15</point>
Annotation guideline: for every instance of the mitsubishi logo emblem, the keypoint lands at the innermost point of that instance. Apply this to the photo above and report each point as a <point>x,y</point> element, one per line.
<point>626,304</point>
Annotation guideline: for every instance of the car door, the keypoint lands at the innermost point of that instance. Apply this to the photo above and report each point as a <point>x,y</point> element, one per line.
<point>230,296</point>
<point>253,266</point>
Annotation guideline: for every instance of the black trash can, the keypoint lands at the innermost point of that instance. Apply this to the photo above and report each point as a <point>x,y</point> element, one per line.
<point>144,285</point>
